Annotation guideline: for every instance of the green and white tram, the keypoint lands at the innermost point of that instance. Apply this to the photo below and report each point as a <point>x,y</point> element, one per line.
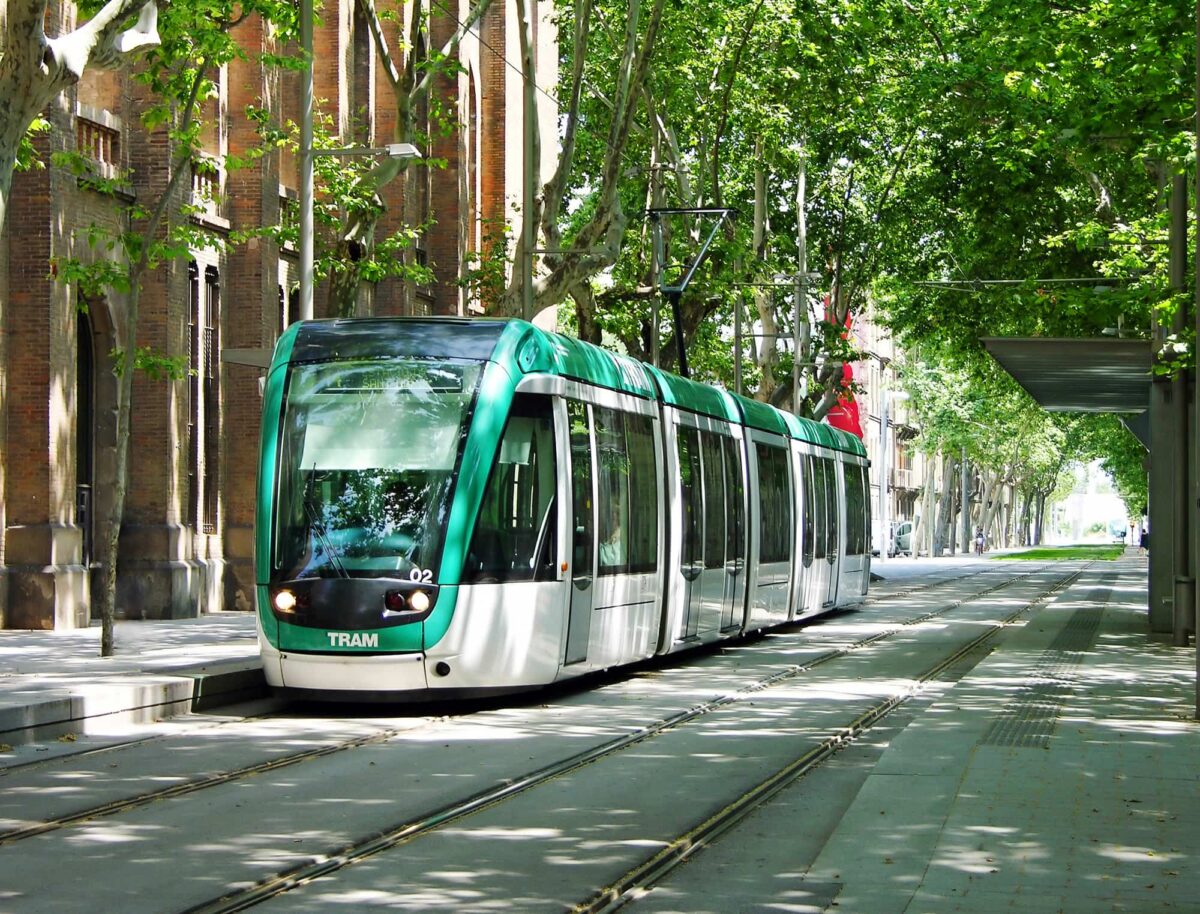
<point>449,507</point>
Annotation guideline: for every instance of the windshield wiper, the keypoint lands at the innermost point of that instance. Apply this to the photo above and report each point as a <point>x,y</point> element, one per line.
<point>318,528</point>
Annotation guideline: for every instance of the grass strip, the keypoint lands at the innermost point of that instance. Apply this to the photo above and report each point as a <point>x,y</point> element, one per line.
<point>1064,553</point>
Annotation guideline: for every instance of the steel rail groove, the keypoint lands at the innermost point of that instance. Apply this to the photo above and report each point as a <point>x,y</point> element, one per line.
<point>127,804</point>
<point>356,851</point>
<point>639,879</point>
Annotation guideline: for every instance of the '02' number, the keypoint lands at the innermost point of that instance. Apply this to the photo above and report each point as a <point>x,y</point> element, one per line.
<point>421,576</point>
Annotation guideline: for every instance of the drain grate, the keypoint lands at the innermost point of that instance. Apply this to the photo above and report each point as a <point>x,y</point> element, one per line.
<point>1029,718</point>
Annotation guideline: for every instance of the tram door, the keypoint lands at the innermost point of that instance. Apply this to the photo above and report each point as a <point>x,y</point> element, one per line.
<point>583,525</point>
<point>691,507</point>
<point>733,605</point>
<point>833,504</point>
<point>817,586</point>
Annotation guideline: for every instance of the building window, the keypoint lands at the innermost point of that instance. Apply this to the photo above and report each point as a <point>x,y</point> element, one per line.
<point>211,404</point>
<point>192,442</point>
<point>207,181</point>
<point>204,428</point>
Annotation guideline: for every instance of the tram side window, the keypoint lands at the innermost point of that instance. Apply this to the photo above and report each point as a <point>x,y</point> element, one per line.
<point>735,534</point>
<point>856,515</point>
<point>612,460</point>
<point>820,488</point>
<point>514,537</point>
<point>690,502</point>
<point>775,496</point>
<point>643,489</point>
<point>806,466</point>
<point>714,501</point>
<point>579,421</point>
<point>831,507</point>
<point>628,492</point>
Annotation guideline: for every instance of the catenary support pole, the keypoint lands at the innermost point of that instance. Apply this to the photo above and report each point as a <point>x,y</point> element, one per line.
<point>677,317</point>
<point>529,166</point>
<point>1183,612</point>
<point>306,161</point>
<point>885,533</point>
<point>737,345</point>
<point>965,523</point>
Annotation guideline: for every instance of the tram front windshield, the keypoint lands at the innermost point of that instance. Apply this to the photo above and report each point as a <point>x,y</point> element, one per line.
<point>367,462</point>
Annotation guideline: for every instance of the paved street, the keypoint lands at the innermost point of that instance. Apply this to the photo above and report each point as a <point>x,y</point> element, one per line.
<point>1048,757</point>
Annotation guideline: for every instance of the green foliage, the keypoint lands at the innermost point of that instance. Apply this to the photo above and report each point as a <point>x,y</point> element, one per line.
<point>485,274</point>
<point>345,190</point>
<point>1066,553</point>
<point>27,157</point>
<point>155,365</point>
<point>1121,455</point>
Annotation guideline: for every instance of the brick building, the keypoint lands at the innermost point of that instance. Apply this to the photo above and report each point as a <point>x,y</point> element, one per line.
<point>187,535</point>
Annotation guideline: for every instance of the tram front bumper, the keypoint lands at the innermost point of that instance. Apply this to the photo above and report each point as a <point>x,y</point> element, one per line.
<point>345,672</point>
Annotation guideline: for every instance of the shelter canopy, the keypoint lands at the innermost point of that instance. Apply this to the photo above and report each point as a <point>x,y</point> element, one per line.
<point>1098,375</point>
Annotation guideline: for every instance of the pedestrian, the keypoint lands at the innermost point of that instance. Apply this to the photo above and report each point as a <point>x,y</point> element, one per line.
<point>1144,543</point>
<point>980,540</point>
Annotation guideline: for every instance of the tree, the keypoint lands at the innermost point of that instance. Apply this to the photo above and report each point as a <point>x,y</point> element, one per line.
<point>195,40</point>
<point>35,68</point>
<point>1053,131</point>
<point>731,95</point>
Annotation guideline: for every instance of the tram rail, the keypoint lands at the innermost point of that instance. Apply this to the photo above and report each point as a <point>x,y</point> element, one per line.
<point>173,791</point>
<point>182,789</point>
<point>655,867</point>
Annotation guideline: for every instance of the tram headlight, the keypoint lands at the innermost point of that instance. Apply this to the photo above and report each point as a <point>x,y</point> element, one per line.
<point>415,601</point>
<point>285,601</point>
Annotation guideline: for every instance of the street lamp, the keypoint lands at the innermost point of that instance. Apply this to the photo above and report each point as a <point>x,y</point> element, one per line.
<point>307,153</point>
<point>884,454</point>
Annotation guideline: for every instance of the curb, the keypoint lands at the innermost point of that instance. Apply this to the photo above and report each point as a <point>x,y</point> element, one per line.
<point>40,713</point>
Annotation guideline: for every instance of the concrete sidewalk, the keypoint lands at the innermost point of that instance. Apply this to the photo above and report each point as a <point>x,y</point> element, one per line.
<point>1059,775</point>
<point>55,683</point>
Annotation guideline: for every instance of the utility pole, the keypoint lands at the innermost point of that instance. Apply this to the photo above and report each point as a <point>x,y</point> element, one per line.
<point>530,170</point>
<point>306,161</point>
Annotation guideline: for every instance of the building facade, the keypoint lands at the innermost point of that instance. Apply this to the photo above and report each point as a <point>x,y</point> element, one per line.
<point>187,533</point>
<point>898,471</point>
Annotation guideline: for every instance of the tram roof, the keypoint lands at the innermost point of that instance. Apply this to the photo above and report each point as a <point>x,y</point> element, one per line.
<point>582,361</point>
<point>375,337</point>
<point>693,396</point>
<point>532,349</point>
<point>536,350</point>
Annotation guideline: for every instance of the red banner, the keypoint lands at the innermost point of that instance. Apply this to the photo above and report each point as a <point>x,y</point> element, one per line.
<point>845,414</point>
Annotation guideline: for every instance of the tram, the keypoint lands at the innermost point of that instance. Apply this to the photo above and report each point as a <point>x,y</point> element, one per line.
<point>451,507</point>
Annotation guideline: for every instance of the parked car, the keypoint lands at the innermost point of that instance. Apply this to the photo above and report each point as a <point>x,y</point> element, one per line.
<point>901,538</point>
